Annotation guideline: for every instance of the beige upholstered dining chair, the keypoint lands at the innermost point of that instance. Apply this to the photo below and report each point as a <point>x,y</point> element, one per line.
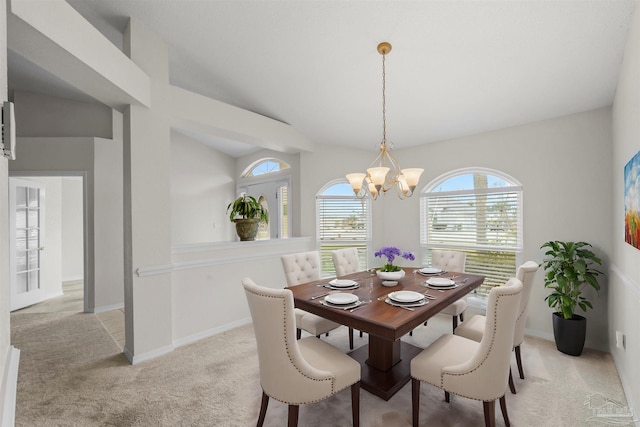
<point>303,267</point>
<point>453,262</point>
<point>346,261</point>
<point>293,371</point>
<point>474,327</point>
<point>476,370</point>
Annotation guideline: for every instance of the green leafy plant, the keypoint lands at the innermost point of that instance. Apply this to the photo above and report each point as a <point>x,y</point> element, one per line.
<point>569,268</point>
<point>247,207</point>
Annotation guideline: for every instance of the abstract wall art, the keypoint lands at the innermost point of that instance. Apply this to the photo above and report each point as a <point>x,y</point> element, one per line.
<point>632,201</point>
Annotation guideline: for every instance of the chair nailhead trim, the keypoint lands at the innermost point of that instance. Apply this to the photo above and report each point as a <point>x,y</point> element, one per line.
<point>288,348</point>
<point>483,360</point>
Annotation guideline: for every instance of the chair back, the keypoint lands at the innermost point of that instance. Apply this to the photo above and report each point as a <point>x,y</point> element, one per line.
<point>526,272</point>
<point>301,267</point>
<point>448,260</point>
<point>284,374</point>
<point>346,261</point>
<point>486,374</point>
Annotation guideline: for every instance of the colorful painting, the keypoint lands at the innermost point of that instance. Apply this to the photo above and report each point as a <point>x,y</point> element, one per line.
<point>632,201</point>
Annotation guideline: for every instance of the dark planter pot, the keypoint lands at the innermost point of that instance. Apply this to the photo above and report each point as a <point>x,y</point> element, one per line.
<point>247,228</point>
<point>569,333</point>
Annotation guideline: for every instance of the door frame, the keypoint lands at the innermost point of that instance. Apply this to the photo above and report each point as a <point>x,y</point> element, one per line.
<point>88,287</point>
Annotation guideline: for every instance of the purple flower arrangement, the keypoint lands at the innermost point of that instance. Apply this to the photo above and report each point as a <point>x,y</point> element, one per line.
<point>391,252</point>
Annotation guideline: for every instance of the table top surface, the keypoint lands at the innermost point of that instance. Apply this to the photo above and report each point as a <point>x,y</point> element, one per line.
<point>378,317</point>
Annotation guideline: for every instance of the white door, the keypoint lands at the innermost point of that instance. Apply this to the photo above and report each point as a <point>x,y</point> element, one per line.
<point>26,234</point>
<point>267,193</point>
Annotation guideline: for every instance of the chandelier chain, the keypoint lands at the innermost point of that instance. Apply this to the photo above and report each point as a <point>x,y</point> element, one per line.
<point>384,102</point>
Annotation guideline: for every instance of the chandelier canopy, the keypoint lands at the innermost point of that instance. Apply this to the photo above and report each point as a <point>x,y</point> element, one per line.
<point>384,172</point>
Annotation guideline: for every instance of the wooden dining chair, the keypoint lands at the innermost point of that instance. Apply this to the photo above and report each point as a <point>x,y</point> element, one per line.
<point>474,327</point>
<point>293,371</point>
<point>475,370</point>
<point>451,262</point>
<point>303,267</point>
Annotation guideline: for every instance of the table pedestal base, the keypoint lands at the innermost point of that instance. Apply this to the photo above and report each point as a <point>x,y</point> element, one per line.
<point>385,384</point>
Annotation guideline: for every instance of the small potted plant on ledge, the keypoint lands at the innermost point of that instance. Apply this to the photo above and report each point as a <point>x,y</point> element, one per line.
<point>569,268</point>
<point>247,213</point>
<point>390,273</point>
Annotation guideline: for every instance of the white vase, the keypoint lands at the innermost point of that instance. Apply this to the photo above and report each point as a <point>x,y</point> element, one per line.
<point>390,275</point>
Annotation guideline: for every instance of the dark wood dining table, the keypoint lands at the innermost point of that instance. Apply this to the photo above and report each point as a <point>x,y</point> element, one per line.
<point>386,359</point>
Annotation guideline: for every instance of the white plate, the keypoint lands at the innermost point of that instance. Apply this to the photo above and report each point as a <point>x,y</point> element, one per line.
<point>406,304</point>
<point>406,296</point>
<point>341,299</point>
<point>440,281</point>
<point>342,283</point>
<point>430,270</point>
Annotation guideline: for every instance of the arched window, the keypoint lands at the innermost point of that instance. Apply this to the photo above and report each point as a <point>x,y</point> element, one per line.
<point>342,221</point>
<point>477,211</point>
<point>265,166</point>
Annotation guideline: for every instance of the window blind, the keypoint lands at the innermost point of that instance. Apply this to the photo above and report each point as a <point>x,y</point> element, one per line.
<point>342,222</point>
<point>484,223</point>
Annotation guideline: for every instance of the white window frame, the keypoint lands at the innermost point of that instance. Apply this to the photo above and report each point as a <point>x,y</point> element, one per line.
<point>428,194</point>
<point>247,173</point>
<point>324,247</point>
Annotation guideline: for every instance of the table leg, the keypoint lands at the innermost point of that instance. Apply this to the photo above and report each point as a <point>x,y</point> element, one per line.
<point>383,354</point>
<point>394,361</point>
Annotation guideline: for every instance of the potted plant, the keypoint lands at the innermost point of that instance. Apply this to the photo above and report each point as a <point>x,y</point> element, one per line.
<point>247,213</point>
<point>389,272</point>
<point>569,269</point>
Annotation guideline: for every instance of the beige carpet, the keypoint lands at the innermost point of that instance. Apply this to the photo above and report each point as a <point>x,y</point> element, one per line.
<point>72,373</point>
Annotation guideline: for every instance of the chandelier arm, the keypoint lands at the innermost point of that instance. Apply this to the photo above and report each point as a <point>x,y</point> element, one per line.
<point>379,160</point>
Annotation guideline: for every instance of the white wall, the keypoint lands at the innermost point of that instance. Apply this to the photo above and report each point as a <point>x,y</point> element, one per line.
<point>624,282</point>
<point>39,115</point>
<point>5,333</point>
<point>208,297</point>
<point>9,356</point>
<point>108,220</point>
<point>72,235</point>
<point>202,185</point>
<point>563,165</point>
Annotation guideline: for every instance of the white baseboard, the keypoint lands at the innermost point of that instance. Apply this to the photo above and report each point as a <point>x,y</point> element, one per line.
<point>626,387</point>
<point>104,308</point>
<point>211,332</point>
<point>135,359</point>
<point>9,388</point>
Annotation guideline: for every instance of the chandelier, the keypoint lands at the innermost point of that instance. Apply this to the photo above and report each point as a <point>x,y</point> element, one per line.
<point>384,172</point>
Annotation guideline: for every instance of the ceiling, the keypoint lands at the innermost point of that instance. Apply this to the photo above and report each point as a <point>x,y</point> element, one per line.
<point>456,68</point>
